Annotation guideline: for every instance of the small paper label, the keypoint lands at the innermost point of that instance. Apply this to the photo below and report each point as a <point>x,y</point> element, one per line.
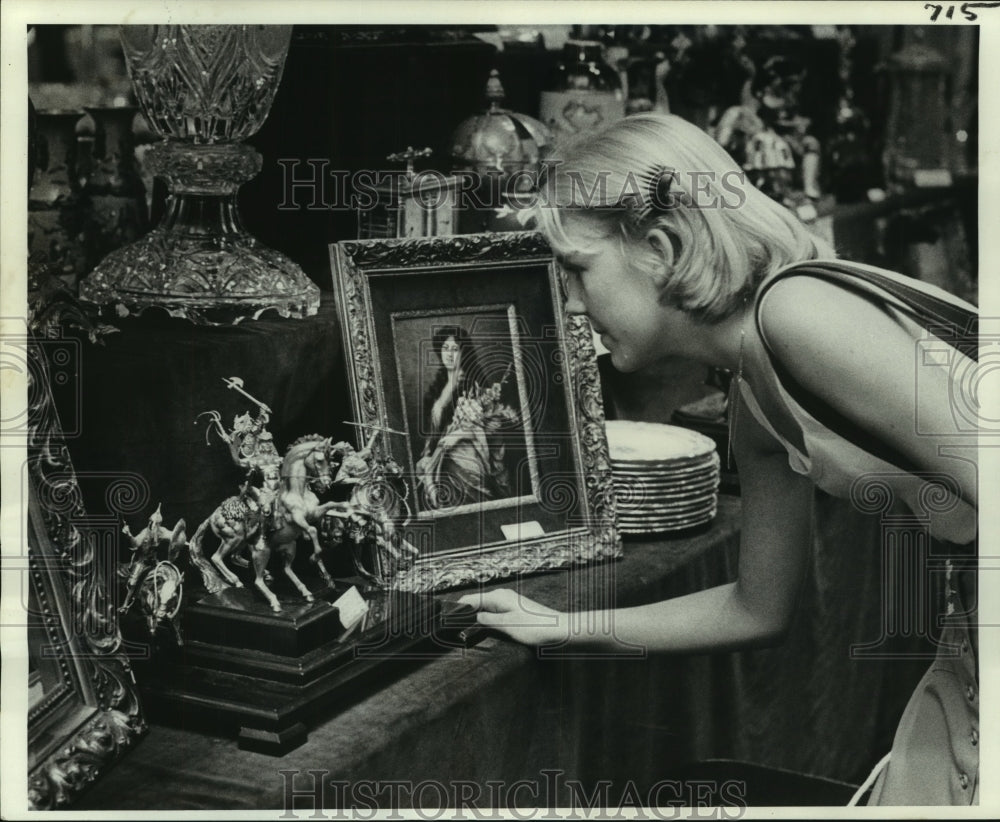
<point>522,530</point>
<point>931,177</point>
<point>351,606</point>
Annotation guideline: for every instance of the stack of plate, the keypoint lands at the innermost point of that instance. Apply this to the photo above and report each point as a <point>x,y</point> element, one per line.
<point>666,478</point>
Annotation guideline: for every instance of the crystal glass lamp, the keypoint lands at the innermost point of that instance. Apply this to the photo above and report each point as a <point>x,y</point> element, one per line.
<point>204,89</point>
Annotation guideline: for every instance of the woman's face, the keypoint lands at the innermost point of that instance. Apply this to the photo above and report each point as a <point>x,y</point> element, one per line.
<point>620,300</point>
<point>450,354</point>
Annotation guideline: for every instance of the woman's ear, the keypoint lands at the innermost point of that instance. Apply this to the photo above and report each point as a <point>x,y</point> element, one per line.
<point>659,242</point>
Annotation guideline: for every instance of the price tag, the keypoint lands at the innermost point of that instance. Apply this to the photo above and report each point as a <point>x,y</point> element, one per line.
<point>351,607</point>
<point>522,530</point>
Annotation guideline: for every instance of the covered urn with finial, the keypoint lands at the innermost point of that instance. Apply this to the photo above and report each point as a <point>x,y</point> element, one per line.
<point>505,149</point>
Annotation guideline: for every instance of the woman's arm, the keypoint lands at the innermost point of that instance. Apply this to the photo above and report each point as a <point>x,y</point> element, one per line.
<point>847,351</point>
<point>754,610</point>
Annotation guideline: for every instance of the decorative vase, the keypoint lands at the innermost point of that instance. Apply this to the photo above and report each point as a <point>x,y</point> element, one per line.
<point>585,95</point>
<point>116,197</point>
<point>55,213</point>
<point>204,89</point>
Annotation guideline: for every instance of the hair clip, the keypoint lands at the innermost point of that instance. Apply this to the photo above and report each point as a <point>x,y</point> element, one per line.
<point>655,195</point>
<point>644,194</point>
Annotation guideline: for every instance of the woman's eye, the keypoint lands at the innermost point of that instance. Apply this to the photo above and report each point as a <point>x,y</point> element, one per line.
<point>569,273</point>
<point>571,278</point>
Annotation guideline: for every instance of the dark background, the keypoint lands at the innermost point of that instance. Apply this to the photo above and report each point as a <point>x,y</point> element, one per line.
<point>350,95</point>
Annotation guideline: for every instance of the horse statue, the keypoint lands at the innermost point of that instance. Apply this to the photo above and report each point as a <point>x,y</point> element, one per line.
<point>378,508</point>
<point>273,517</point>
<point>160,597</point>
<point>237,522</point>
<point>306,466</point>
<point>144,547</point>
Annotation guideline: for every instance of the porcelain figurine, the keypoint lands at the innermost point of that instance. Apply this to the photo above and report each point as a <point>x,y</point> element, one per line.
<point>766,134</point>
<point>156,583</point>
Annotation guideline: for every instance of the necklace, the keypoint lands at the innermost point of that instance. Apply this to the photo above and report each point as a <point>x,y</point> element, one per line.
<point>734,394</point>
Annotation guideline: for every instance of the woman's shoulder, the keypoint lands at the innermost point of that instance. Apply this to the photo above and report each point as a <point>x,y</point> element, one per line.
<point>847,350</point>
<point>836,296</point>
<point>802,289</point>
<point>857,278</point>
<point>436,384</point>
<point>838,343</point>
<point>794,311</point>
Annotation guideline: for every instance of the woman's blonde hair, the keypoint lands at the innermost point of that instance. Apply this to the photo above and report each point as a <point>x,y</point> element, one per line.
<point>660,171</point>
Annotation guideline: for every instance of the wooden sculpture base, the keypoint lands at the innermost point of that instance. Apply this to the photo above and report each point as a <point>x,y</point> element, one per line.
<point>264,674</point>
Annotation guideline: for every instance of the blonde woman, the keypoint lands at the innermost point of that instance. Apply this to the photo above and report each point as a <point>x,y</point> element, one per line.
<point>668,251</point>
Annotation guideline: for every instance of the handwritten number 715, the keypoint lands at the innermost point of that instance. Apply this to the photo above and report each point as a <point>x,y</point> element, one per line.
<point>965,8</point>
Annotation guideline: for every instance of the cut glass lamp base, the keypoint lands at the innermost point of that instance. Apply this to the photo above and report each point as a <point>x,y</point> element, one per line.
<point>200,263</point>
<point>209,280</point>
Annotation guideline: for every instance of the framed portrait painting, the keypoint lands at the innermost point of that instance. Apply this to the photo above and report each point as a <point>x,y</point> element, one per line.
<point>463,366</point>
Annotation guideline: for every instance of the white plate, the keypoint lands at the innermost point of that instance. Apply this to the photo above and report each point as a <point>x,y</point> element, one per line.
<point>659,475</point>
<point>666,518</point>
<point>665,465</point>
<point>636,490</point>
<point>660,479</point>
<point>644,485</point>
<point>658,514</point>
<point>667,483</point>
<point>639,442</point>
<point>655,508</point>
<point>652,528</point>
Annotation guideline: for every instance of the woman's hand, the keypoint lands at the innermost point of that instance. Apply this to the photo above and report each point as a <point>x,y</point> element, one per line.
<point>447,394</point>
<point>454,380</point>
<point>517,616</point>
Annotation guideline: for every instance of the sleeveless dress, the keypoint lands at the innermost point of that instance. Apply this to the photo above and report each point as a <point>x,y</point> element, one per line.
<point>935,754</point>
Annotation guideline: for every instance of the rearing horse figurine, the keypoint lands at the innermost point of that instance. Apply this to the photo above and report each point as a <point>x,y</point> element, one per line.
<point>378,501</point>
<point>296,510</point>
<point>275,516</point>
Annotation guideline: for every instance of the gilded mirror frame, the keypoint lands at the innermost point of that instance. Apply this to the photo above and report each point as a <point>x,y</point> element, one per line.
<point>87,711</point>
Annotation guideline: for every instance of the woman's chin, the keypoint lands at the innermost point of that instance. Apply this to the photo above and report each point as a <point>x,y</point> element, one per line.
<point>621,361</point>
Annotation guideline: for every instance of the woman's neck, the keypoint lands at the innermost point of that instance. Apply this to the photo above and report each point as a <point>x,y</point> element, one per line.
<point>722,344</point>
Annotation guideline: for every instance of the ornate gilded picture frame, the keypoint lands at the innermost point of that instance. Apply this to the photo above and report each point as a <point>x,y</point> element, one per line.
<point>83,705</point>
<point>464,367</point>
